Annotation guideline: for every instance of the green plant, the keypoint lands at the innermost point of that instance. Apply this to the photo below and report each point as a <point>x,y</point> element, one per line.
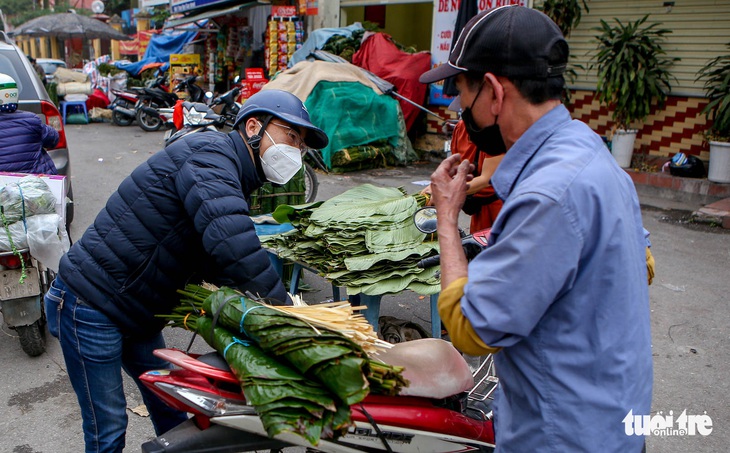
<point>31,12</point>
<point>633,73</point>
<point>716,74</point>
<point>565,13</point>
<point>159,16</point>
<point>108,70</point>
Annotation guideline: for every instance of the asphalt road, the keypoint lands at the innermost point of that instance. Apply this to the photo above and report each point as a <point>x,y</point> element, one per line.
<point>689,302</point>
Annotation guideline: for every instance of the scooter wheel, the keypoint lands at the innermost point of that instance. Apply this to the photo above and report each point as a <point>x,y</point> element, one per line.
<point>147,122</point>
<point>311,184</point>
<point>32,338</point>
<point>120,119</point>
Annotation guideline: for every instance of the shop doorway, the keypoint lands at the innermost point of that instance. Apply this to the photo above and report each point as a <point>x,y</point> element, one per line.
<point>408,24</point>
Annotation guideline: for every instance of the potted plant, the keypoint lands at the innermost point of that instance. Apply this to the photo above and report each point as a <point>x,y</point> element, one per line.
<point>633,77</point>
<point>716,74</point>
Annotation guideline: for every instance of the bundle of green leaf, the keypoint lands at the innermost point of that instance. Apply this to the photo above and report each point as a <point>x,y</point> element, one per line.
<point>29,196</point>
<point>326,358</point>
<point>363,239</point>
<point>285,400</point>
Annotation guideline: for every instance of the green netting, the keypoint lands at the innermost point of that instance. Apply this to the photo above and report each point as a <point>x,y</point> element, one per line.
<point>353,114</point>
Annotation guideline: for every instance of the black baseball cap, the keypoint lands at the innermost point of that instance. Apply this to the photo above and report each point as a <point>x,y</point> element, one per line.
<point>509,41</point>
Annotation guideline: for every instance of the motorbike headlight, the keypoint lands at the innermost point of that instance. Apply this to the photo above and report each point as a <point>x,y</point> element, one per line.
<point>210,404</point>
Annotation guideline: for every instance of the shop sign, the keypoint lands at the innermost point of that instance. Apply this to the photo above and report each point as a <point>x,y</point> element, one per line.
<point>254,73</point>
<point>444,21</point>
<point>180,6</point>
<point>183,65</point>
<point>283,11</point>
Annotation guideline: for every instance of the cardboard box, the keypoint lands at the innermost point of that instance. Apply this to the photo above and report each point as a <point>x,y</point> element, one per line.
<point>57,183</point>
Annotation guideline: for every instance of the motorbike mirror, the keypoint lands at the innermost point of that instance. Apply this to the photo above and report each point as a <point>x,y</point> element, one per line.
<point>425,219</point>
<point>237,79</point>
<point>209,95</point>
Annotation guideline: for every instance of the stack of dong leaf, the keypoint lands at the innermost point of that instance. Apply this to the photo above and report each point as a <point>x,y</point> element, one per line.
<point>364,239</point>
<point>267,197</point>
<point>299,379</point>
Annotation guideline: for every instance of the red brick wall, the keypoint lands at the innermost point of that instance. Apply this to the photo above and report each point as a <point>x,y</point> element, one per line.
<point>678,127</point>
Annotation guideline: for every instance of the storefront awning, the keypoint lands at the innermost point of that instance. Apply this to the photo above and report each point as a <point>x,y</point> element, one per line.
<point>209,14</point>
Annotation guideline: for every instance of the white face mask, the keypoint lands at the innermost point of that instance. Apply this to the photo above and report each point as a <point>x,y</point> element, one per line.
<point>280,162</point>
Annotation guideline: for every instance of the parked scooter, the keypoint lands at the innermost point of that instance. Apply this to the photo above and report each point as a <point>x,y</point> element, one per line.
<point>150,113</point>
<point>197,117</point>
<point>122,106</point>
<point>22,303</point>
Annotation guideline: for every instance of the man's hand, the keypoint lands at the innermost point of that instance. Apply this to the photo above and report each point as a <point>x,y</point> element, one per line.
<point>449,186</point>
<point>448,189</point>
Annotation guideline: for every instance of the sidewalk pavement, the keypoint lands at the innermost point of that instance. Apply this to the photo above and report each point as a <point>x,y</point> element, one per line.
<point>708,201</point>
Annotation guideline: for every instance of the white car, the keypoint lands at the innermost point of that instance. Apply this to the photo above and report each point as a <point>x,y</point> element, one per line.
<point>50,65</point>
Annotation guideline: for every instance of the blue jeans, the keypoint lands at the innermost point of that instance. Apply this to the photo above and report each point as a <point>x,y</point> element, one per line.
<point>95,352</point>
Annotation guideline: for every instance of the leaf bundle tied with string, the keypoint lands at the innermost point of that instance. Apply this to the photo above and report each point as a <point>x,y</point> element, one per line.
<point>324,358</point>
<point>285,400</point>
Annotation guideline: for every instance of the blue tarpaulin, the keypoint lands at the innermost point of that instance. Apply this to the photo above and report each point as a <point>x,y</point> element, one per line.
<point>159,50</point>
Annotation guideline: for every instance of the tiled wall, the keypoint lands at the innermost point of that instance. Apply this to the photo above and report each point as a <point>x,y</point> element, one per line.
<point>678,127</point>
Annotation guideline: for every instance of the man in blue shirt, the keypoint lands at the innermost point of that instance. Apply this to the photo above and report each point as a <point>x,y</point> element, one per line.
<point>560,295</point>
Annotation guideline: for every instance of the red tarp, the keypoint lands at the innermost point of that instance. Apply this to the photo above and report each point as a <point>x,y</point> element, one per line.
<point>379,55</point>
<point>97,99</point>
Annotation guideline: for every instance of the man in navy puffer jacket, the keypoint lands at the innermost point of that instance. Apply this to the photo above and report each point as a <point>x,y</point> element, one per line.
<point>23,136</point>
<point>180,217</point>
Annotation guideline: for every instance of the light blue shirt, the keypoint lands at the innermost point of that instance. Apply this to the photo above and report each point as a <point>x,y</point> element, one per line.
<point>563,289</point>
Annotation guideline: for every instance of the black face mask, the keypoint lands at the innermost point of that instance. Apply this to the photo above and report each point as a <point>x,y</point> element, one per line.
<point>489,139</point>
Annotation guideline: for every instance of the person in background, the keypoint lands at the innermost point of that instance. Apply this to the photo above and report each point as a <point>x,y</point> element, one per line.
<point>38,69</point>
<point>23,135</point>
<point>560,295</point>
<point>482,203</point>
<point>180,217</point>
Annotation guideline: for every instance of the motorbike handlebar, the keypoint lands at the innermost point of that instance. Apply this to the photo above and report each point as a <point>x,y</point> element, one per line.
<point>473,244</point>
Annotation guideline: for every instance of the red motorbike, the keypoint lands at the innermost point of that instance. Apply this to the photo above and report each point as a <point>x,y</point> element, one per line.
<point>444,409</point>
<point>123,105</point>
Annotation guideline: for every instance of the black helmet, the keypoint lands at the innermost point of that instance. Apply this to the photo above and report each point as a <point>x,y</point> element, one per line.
<point>287,107</point>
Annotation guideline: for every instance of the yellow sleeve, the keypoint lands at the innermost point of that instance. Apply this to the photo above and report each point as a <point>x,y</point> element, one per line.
<point>461,332</point>
<point>649,265</point>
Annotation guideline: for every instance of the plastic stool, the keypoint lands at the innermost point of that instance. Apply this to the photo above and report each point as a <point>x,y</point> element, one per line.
<point>66,104</point>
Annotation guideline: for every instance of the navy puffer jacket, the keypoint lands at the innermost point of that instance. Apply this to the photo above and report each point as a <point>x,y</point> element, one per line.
<point>22,139</point>
<point>181,216</point>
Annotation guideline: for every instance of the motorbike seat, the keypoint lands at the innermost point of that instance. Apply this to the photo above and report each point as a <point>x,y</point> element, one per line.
<point>161,94</point>
<point>433,368</point>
